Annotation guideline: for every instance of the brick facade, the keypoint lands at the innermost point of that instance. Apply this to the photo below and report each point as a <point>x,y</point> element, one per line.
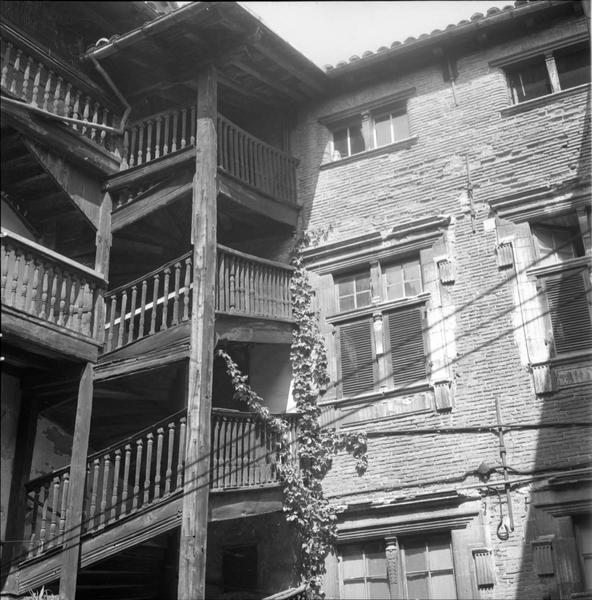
<point>484,321</point>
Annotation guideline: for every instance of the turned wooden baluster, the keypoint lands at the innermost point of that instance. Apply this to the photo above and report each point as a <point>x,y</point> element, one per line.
<point>5,64</point>
<point>183,128</point>
<point>132,154</point>
<point>72,304</point>
<point>142,308</point>
<point>47,91</point>
<point>136,492</point>
<point>15,277</point>
<point>175,123</point>
<point>15,70</point>
<point>122,318</point>
<point>62,303</point>
<point>36,81</point>
<point>165,303</point>
<point>149,444</point>
<point>193,125</point>
<point>76,108</point>
<point>130,334</point>
<point>140,143</point>
<point>6,254</point>
<point>43,529</point>
<point>158,467</point>
<point>187,291</point>
<point>112,313</point>
<point>156,280</point>
<point>165,145</point>
<point>64,506</point>
<point>169,468</point>
<point>87,309</point>
<point>214,453</point>
<point>86,115</point>
<point>176,288</point>
<point>44,291</point>
<point>126,470</point>
<point>231,283</point>
<point>95,119</point>
<point>157,142</point>
<point>55,107</point>
<point>104,489</point>
<point>68,100</point>
<point>26,77</point>
<point>94,492</point>
<point>181,455</point>
<point>103,134</point>
<point>115,491</point>
<point>34,517</point>
<point>149,142</point>
<point>55,494</point>
<point>125,158</point>
<point>22,298</point>
<point>32,308</point>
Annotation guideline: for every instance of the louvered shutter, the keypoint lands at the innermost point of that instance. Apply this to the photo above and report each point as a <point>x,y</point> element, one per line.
<point>357,357</point>
<point>406,346</point>
<point>569,312</point>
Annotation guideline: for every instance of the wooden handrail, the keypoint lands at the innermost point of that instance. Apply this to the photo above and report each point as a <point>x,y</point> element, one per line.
<point>256,259</point>
<point>54,256</point>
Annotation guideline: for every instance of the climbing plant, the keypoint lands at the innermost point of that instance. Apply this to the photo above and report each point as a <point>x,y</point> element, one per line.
<point>304,503</point>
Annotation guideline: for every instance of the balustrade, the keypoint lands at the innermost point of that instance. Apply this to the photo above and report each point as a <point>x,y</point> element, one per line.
<point>240,154</point>
<point>31,74</point>
<point>147,468</point>
<point>49,286</point>
<point>245,285</point>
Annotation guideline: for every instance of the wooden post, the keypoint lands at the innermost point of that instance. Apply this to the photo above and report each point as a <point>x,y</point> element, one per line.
<point>192,559</point>
<point>73,529</point>
<point>103,243</point>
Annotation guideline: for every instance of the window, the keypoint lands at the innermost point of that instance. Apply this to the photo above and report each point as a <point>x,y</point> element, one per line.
<point>552,72</point>
<point>583,530</point>
<point>364,572</point>
<point>384,345</point>
<point>354,291</point>
<point>348,141</point>
<point>390,127</point>
<point>565,284</point>
<point>428,568</point>
<point>425,564</point>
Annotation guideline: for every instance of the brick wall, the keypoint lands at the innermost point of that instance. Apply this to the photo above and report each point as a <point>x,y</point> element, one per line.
<point>543,145</point>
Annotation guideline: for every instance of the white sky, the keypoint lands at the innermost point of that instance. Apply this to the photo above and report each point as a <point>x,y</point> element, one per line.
<point>329,32</point>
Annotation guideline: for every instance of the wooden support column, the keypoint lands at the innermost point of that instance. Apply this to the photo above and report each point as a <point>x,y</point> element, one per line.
<point>103,243</point>
<point>71,549</point>
<point>192,558</point>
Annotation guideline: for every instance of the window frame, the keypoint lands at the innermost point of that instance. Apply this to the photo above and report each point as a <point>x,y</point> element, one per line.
<point>347,126</point>
<point>378,314</point>
<point>547,54</point>
<point>397,110</point>
<point>366,578</point>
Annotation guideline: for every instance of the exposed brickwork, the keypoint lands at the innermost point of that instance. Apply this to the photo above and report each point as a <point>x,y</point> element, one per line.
<point>507,152</point>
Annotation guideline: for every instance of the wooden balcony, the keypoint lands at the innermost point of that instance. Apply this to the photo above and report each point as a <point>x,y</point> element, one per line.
<point>246,286</point>
<point>35,76</point>
<point>146,470</point>
<point>49,299</point>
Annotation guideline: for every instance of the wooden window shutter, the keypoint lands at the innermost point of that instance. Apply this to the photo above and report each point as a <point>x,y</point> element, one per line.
<point>357,357</point>
<point>569,312</point>
<point>406,346</point>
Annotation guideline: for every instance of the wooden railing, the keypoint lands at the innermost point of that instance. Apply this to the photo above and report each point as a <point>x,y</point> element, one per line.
<point>240,154</point>
<point>49,286</point>
<point>256,163</point>
<point>147,468</point>
<point>152,303</point>
<point>295,593</point>
<point>245,285</point>
<point>252,286</point>
<point>32,74</point>
<point>245,453</point>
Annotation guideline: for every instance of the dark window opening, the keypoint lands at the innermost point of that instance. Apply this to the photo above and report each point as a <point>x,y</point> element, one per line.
<point>529,80</point>
<point>573,66</point>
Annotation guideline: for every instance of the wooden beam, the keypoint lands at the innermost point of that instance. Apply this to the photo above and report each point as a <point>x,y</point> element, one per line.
<point>83,190</point>
<point>73,531</point>
<point>260,99</point>
<point>274,83</point>
<point>62,139</point>
<point>139,209</point>
<point>253,200</point>
<point>246,329</point>
<point>194,526</point>
<point>154,168</point>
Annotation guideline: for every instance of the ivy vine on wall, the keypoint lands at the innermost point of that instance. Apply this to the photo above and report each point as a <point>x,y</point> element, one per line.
<point>302,473</point>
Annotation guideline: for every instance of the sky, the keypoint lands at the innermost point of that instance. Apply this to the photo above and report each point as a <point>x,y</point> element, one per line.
<point>329,32</point>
